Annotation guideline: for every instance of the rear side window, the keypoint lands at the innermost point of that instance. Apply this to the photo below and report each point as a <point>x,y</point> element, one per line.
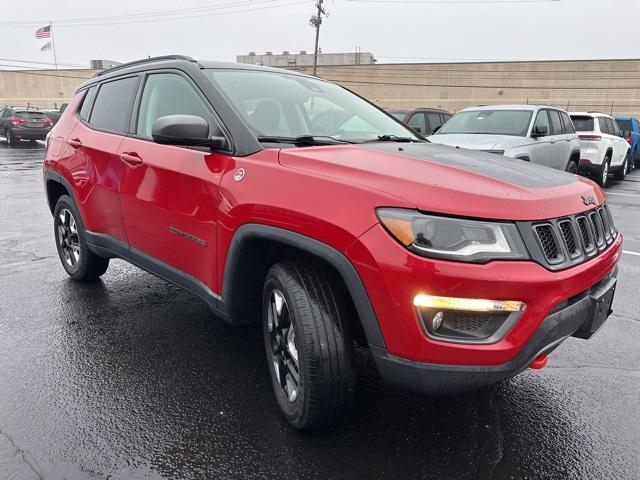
<point>111,108</point>
<point>556,124</point>
<point>31,115</point>
<point>435,121</point>
<point>568,125</point>
<point>583,124</point>
<point>168,94</point>
<point>86,104</point>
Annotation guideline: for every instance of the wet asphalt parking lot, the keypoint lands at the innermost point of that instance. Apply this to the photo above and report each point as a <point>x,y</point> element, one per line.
<point>131,377</point>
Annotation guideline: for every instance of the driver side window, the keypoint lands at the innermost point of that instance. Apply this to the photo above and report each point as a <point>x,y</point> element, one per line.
<point>168,94</point>
<point>542,120</point>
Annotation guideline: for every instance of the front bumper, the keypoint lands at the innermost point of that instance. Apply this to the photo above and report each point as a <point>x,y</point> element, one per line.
<point>572,319</point>
<point>393,276</point>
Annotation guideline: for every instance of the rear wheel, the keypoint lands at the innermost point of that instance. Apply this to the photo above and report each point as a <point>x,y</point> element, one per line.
<point>622,172</point>
<point>309,344</point>
<point>603,175</point>
<point>11,139</point>
<point>572,167</point>
<point>78,261</point>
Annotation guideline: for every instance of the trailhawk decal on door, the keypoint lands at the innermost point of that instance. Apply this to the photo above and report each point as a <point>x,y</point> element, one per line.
<point>188,236</point>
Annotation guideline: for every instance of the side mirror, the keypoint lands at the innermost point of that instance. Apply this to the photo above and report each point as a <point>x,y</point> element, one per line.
<point>625,133</point>
<point>435,130</point>
<point>540,131</point>
<point>185,130</point>
<point>416,129</point>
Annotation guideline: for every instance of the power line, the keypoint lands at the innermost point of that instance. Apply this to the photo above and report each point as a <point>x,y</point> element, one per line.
<point>40,63</point>
<point>164,18</point>
<point>460,2</point>
<point>40,74</point>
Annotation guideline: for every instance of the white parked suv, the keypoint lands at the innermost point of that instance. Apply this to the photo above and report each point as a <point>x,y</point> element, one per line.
<point>535,133</point>
<point>603,148</point>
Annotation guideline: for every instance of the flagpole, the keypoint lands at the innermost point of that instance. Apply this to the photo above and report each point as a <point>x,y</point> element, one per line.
<point>53,45</point>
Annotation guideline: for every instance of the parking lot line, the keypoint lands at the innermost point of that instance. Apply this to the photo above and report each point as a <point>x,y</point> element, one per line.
<point>623,194</point>
<point>631,253</point>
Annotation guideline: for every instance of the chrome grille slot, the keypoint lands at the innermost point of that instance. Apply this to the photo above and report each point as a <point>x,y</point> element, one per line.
<point>549,243</point>
<point>569,237</point>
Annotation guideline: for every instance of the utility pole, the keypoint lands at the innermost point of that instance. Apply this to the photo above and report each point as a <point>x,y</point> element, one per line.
<point>316,21</point>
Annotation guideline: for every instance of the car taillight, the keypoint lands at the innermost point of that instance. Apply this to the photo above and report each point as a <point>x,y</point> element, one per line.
<point>49,121</point>
<point>590,138</point>
<point>628,139</point>
<point>16,120</point>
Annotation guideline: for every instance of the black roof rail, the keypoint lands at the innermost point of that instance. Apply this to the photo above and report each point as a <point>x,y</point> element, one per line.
<point>145,60</point>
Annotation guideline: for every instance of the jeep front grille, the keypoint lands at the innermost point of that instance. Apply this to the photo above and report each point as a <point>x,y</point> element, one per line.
<point>567,241</point>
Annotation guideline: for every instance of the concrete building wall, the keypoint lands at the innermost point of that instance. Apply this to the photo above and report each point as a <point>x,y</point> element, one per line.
<point>288,59</point>
<point>40,88</point>
<point>612,86</point>
<point>607,85</point>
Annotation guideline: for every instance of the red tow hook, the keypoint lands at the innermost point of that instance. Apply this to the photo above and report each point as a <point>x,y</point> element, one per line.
<point>539,362</point>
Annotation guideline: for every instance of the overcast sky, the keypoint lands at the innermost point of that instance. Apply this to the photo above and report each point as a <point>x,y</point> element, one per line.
<point>393,30</point>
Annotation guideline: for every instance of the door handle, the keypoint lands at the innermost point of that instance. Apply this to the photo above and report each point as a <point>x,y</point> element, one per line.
<point>74,142</point>
<point>131,158</point>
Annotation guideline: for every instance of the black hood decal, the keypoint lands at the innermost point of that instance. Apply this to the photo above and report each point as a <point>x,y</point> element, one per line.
<point>517,172</point>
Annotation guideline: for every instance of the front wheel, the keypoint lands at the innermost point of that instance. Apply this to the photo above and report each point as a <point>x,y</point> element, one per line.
<point>78,261</point>
<point>308,343</point>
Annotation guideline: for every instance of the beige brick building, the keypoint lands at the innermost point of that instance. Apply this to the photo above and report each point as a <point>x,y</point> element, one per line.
<point>612,86</point>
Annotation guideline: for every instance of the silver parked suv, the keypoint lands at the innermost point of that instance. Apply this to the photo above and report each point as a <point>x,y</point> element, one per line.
<point>536,133</point>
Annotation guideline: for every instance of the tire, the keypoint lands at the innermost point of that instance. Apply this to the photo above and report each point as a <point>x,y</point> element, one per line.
<point>603,174</point>
<point>622,171</point>
<point>572,167</point>
<point>11,139</point>
<point>79,262</point>
<point>307,333</point>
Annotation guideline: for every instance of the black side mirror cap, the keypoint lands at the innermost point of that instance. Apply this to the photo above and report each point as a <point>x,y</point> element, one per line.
<point>540,131</point>
<point>435,130</point>
<point>185,130</point>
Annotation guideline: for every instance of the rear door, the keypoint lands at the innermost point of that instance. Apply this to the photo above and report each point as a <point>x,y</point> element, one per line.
<point>557,138</point>
<point>621,146</point>
<point>97,169</point>
<point>170,194</point>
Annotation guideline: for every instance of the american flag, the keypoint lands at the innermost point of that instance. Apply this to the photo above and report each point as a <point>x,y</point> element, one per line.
<point>44,32</point>
<point>45,47</point>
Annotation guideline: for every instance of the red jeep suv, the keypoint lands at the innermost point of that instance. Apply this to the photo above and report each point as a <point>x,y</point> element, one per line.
<point>456,269</point>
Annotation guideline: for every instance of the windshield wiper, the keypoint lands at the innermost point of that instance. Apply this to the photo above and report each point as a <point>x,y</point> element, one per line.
<point>396,138</point>
<point>303,140</point>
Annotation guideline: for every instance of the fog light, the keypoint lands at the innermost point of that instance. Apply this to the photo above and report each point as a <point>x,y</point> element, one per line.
<point>436,321</point>
<point>467,304</point>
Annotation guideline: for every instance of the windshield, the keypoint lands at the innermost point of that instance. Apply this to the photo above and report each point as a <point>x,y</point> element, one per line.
<point>624,124</point>
<point>583,123</point>
<point>489,122</point>
<point>284,105</point>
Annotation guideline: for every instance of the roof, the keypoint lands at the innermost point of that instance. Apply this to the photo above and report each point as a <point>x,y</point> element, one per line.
<point>416,109</point>
<point>173,60</point>
<point>511,107</point>
<point>590,114</point>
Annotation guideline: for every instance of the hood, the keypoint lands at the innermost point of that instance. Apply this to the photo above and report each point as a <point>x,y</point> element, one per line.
<point>448,180</point>
<point>478,142</point>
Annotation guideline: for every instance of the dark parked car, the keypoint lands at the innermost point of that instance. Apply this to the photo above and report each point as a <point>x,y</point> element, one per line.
<point>21,123</point>
<point>425,121</point>
<point>630,128</point>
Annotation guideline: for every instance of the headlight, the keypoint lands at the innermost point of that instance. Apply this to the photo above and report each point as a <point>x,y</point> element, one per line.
<point>453,238</point>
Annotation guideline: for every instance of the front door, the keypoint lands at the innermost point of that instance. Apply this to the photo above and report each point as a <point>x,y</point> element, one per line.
<point>169,193</point>
<point>542,149</point>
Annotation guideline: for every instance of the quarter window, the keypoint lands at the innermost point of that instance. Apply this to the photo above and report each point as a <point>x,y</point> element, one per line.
<point>86,103</point>
<point>604,125</point>
<point>111,109</point>
<point>168,94</point>
<point>615,128</point>
<point>568,124</point>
